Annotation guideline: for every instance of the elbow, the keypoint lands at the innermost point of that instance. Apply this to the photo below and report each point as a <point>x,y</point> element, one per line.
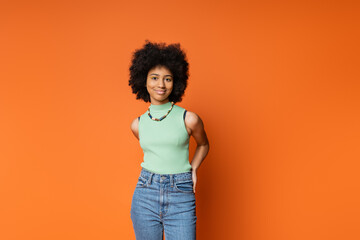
<point>205,146</point>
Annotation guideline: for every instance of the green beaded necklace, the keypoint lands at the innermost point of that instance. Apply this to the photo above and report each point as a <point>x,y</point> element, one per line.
<point>159,119</point>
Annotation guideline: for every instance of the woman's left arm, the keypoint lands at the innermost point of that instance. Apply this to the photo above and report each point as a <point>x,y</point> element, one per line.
<point>196,127</point>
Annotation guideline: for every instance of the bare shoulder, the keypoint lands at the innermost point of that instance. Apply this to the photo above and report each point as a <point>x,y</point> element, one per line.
<point>195,127</point>
<point>134,126</point>
<point>192,120</point>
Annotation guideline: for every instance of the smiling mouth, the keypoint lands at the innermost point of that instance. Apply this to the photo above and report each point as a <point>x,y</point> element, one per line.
<point>160,92</point>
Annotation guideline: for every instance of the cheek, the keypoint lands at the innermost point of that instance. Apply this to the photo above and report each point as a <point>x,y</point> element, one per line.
<point>149,85</point>
<point>170,89</point>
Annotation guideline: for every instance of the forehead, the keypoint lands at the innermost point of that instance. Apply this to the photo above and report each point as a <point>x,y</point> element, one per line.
<point>160,70</point>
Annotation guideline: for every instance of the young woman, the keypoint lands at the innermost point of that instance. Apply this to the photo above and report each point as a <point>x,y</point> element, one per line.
<point>164,197</point>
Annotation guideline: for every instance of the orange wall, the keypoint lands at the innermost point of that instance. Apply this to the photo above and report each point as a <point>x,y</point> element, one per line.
<point>276,84</point>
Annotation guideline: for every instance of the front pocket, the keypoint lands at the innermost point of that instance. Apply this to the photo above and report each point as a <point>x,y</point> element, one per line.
<point>184,186</point>
<point>141,182</point>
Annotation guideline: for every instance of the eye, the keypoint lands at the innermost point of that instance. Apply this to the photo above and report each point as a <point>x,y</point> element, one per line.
<point>153,78</point>
<point>169,79</point>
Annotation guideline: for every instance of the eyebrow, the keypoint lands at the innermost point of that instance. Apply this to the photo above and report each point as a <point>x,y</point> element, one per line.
<point>159,75</point>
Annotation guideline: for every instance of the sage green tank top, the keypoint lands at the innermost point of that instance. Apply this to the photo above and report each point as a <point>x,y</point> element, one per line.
<point>165,143</point>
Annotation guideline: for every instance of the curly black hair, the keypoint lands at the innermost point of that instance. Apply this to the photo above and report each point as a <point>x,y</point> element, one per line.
<point>155,54</point>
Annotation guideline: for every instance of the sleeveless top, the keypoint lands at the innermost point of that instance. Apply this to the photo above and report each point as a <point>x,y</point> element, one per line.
<point>165,143</point>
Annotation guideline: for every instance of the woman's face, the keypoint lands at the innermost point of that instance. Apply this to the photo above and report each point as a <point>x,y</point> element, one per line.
<point>159,84</point>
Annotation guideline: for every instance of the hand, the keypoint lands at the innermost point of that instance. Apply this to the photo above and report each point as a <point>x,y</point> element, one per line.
<point>194,179</point>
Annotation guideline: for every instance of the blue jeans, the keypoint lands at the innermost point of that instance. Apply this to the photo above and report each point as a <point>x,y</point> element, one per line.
<point>164,202</point>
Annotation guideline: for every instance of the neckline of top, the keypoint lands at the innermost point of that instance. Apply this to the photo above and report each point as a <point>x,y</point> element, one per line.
<point>160,107</point>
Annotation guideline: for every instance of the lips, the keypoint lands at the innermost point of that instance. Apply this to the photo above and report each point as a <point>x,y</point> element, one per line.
<point>160,92</point>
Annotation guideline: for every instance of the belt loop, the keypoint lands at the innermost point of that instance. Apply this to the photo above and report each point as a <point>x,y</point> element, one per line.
<point>149,182</point>
<point>171,180</point>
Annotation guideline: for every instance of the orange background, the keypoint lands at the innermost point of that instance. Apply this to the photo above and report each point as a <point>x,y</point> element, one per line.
<point>275,82</point>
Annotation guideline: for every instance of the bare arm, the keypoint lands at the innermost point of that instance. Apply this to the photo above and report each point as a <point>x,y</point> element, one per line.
<point>195,126</point>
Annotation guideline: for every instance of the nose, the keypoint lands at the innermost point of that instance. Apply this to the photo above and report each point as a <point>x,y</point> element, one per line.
<point>161,83</point>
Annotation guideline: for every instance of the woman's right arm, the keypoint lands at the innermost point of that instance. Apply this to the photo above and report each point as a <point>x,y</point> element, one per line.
<point>134,126</point>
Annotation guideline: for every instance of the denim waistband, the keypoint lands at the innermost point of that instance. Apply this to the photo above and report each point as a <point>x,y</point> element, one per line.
<point>156,177</point>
